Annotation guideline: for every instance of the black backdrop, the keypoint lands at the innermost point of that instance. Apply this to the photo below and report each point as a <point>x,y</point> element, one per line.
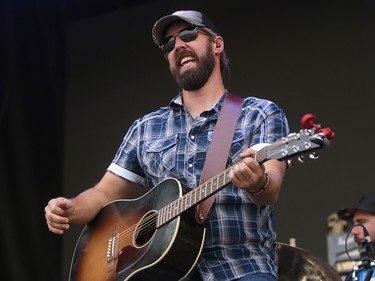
<point>31,136</point>
<point>74,75</point>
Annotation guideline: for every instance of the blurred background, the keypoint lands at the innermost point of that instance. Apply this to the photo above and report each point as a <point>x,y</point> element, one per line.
<point>75,74</point>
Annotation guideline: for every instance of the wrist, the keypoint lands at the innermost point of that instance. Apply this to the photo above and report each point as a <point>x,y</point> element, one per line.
<point>263,188</point>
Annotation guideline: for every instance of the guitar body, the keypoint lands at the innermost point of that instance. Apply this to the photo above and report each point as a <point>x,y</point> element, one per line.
<point>123,241</point>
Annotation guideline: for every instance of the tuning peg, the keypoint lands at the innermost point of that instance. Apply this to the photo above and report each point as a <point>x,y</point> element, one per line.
<point>289,163</point>
<point>308,121</point>
<point>328,133</point>
<point>301,159</point>
<point>314,155</point>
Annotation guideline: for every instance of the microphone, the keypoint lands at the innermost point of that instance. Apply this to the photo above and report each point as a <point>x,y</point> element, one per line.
<point>370,245</point>
<point>365,233</point>
<point>366,249</point>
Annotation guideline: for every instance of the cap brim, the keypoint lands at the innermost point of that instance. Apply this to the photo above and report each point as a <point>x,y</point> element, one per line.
<point>159,28</point>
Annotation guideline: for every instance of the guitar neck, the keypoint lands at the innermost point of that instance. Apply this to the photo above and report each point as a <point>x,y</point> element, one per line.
<point>201,192</point>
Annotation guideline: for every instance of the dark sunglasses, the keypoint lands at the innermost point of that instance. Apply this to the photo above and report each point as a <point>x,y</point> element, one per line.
<point>186,35</point>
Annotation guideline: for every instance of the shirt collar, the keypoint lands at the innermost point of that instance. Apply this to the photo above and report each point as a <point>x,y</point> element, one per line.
<point>176,103</point>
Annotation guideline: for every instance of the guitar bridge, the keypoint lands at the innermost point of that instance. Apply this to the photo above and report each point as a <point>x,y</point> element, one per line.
<point>112,250</point>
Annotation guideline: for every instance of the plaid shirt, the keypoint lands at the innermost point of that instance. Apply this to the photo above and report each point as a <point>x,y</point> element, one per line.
<point>240,237</point>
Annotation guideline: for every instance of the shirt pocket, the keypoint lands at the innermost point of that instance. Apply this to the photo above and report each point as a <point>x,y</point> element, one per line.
<point>160,156</point>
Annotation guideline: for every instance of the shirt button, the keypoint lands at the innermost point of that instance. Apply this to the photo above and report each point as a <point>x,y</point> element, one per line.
<point>190,165</point>
<point>192,137</point>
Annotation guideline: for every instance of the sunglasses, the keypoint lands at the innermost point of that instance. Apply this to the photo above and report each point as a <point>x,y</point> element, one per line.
<point>186,35</point>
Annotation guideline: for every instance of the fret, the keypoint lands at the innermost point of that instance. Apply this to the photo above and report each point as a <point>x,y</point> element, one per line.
<point>175,208</point>
<point>160,217</point>
<point>190,203</point>
<point>170,210</point>
<point>196,193</point>
<point>166,216</point>
<point>181,204</point>
<point>187,201</point>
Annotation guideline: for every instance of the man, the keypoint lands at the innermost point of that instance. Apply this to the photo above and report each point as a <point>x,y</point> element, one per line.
<point>363,218</point>
<point>240,242</point>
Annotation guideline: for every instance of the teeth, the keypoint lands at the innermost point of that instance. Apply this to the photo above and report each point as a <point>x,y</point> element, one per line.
<point>185,59</point>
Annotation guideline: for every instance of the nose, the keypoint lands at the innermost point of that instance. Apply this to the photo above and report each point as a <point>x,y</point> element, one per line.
<point>357,232</point>
<point>179,43</point>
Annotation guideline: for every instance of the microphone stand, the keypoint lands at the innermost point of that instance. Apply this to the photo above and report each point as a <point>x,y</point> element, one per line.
<point>366,250</point>
<point>363,251</point>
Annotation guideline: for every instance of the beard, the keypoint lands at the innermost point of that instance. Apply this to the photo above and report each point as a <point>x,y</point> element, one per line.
<point>194,78</point>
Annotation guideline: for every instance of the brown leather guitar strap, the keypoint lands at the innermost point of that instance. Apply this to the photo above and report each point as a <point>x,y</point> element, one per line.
<point>218,150</point>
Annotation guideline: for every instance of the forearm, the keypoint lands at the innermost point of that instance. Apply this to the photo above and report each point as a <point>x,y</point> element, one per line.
<point>87,204</point>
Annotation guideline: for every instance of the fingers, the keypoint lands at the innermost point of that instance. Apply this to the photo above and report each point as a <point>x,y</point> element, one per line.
<point>247,153</point>
<point>56,213</point>
<point>247,173</point>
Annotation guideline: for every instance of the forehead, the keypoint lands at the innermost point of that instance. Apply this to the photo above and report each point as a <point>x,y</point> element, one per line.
<point>175,27</point>
<point>360,215</point>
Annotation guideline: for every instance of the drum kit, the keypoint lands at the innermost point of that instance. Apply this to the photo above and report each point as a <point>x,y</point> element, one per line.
<point>297,264</point>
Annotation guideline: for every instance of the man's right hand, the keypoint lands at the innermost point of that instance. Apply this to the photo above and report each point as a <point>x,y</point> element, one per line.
<point>57,214</point>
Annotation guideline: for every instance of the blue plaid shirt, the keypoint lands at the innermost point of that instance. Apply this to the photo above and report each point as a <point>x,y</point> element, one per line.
<point>241,236</point>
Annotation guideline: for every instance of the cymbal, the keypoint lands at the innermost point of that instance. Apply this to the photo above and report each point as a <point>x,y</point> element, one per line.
<point>297,264</point>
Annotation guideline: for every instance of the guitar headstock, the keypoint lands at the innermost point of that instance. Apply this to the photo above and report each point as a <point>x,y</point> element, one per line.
<point>302,145</point>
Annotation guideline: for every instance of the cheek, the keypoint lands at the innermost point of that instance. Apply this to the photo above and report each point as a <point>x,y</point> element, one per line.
<point>371,229</point>
<point>172,67</point>
<point>171,62</point>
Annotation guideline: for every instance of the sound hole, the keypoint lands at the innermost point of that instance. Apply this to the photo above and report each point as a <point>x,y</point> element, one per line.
<point>145,229</point>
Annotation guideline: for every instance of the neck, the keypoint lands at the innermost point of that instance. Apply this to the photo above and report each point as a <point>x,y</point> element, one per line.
<point>204,98</point>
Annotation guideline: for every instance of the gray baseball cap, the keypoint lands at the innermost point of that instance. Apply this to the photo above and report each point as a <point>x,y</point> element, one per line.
<point>193,17</point>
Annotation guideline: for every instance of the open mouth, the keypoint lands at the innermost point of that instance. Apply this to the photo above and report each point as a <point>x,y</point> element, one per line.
<point>186,60</point>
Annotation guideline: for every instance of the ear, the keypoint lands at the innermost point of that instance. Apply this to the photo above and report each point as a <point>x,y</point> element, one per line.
<point>219,44</point>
